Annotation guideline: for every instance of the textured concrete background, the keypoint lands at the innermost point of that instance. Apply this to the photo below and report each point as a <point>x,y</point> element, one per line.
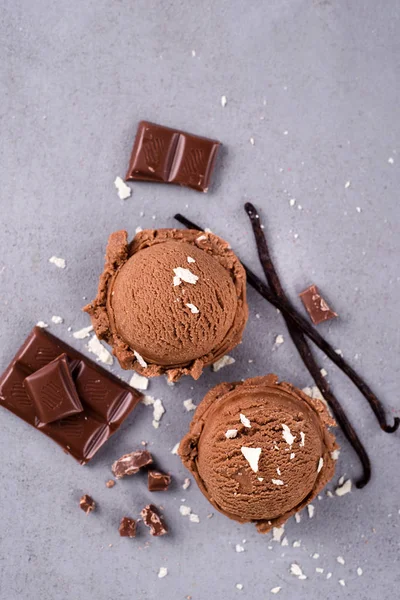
<point>316,84</point>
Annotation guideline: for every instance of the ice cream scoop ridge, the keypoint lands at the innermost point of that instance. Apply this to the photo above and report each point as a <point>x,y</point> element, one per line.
<point>171,301</point>
<point>260,450</point>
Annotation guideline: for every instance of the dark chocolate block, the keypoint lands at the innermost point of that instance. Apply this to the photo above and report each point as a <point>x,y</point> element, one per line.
<point>153,520</point>
<point>127,527</point>
<point>167,155</point>
<point>87,504</point>
<point>106,401</point>
<point>158,482</point>
<point>316,306</point>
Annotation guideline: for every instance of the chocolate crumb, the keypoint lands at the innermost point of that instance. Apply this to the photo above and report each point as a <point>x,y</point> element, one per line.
<point>87,504</point>
<point>153,520</point>
<point>110,483</point>
<point>127,527</point>
<point>129,464</point>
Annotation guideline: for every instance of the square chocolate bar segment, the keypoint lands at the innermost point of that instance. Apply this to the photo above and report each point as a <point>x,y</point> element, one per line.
<point>167,155</point>
<point>36,388</point>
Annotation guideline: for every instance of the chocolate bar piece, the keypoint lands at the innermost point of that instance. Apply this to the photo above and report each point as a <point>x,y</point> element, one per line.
<point>158,482</point>
<point>129,464</point>
<point>106,401</point>
<point>127,527</point>
<point>316,306</point>
<point>53,392</point>
<point>167,155</point>
<point>87,504</point>
<point>152,519</point>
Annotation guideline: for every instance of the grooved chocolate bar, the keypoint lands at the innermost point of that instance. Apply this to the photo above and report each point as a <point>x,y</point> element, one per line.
<point>37,388</point>
<point>167,155</point>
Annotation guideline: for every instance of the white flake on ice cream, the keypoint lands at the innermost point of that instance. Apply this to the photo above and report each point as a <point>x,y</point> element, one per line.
<point>252,455</point>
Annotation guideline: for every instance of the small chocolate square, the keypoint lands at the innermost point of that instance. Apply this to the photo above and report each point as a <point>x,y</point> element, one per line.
<point>158,482</point>
<point>52,391</point>
<point>153,520</point>
<point>127,527</point>
<point>87,504</point>
<point>194,162</point>
<point>316,306</point>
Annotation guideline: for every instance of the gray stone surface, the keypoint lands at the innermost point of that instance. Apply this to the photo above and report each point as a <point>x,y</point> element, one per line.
<point>316,84</point>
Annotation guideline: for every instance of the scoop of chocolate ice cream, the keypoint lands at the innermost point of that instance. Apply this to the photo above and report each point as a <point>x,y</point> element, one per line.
<point>171,301</point>
<point>259,450</point>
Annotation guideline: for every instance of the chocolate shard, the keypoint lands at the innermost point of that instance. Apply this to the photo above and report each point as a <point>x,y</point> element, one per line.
<point>317,308</point>
<point>106,400</point>
<point>153,520</point>
<point>53,391</point>
<point>158,482</point>
<point>167,155</point>
<point>129,464</point>
<point>127,527</point>
<point>87,504</point>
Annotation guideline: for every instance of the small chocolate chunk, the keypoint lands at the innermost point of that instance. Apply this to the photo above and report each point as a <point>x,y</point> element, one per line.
<point>152,519</point>
<point>87,504</point>
<point>53,392</point>
<point>129,464</point>
<point>158,482</point>
<point>171,156</point>
<point>127,527</point>
<point>316,306</point>
<point>110,483</point>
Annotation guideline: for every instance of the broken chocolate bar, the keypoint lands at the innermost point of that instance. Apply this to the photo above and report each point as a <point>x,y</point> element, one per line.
<point>158,482</point>
<point>127,527</point>
<point>106,400</point>
<point>167,155</point>
<point>87,504</point>
<point>129,464</point>
<point>316,306</point>
<point>152,519</point>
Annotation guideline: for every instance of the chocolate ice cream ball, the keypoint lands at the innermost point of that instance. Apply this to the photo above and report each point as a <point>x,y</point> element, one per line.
<point>260,450</point>
<point>171,301</point>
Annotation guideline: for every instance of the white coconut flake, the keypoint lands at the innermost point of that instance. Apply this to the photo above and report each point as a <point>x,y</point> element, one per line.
<point>278,471</point>
<point>324,372</point>
<point>190,259</point>
<point>239,548</point>
<point>328,575</point>
<point>296,570</point>
<point>276,590</point>
<point>175,449</point>
<point>329,494</point>
<point>231,433</point>
<point>315,555</point>
<point>140,359</point>
<point>138,229</point>
<point>163,572</point>
<point>158,411</point>
<point>194,518</point>
<point>224,361</point>
<point>279,340</point>
<point>342,582</point>
<point>347,185</point>
<point>41,324</point>
<point>252,455</point>
<point>297,517</point>
<point>302,438</point>
<point>239,586</point>
<point>57,320</point>
<point>245,421</point>
<point>335,454</point>
<point>285,542</point>
<point>223,101</point>
<point>319,570</point>
<point>341,480</point>
<point>189,405</point>
<point>193,309</point>
<point>292,455</point>
<point>391,160</point>
<point>201,238</point>
<point>58,262</point>
<point>310,510</point>
<point>277,481</point>
<point>252,142</point>
<point>148,400</point>
<point>96,347</point>
<point>186,483</point>
<point>185,510</point>
<point>343,489</point>
<point>320,464</point>
<point>287,435</point>
<point>359,571</point>
<point>83,333</point>
<point>340,560</point>
<point>124,191</point>
<point>176,281</point>
<point>139,382</point>
<point>185,275</point>
<point>296,544</point>
<point>277,533</point>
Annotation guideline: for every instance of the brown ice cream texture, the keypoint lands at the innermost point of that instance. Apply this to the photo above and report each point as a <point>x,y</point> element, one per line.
<point>260,450</point>
<point>171,301</point>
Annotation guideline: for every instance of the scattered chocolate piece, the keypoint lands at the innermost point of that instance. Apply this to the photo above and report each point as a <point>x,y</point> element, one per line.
<point>87,504</point>
<point>105,399</point>
<point>152,519</point>
<point>129,464</point>
<point>167,155</point>
<point>53,391</point>
<point>158,482</point>
<point>127,527</point>
<point>316,306</point>
<point>110,483</point>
